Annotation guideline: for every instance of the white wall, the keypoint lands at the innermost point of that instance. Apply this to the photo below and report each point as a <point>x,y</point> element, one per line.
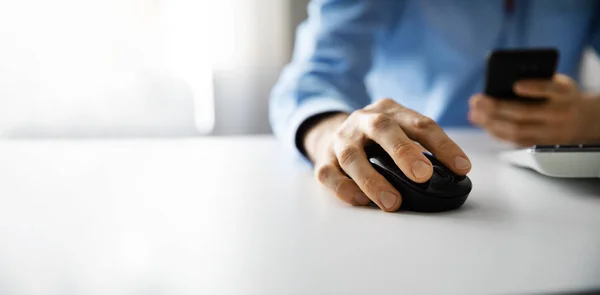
<point>105,68</point>
<point>264,33</point>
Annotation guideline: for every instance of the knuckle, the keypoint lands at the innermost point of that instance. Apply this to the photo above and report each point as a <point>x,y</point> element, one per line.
<point>382,104</point>
<point>341,188</point>
<point>337,190</point>
<point>347,155</point>
<point>386,102</point>
<point>369,182</point>
<point>565,80</point>
<point>339,133</point>
<point>344,131</point>
<point>370,107</point>
<point>380,122</point>
<point>324,172</point>
<point>402,148</point>
<point>444,144</point>
<point>422,122</point>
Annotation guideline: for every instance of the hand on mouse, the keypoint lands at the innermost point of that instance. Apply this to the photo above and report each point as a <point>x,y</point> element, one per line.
<point>567,117</point>
<point>336,144</point>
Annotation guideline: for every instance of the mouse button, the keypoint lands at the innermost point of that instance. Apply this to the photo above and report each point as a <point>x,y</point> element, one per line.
<point>422,186</point>
<point>438,183</point>
<point>441,172</point>
<point>464,185</point>
<point>392,170</point>
<point>386,164</point>
<point>459,178</point>
<point>442,186</point>
<point>432,159</point>
<point>374,150</point>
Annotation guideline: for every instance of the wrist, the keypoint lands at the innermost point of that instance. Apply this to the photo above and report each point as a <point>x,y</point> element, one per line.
<point>318,133</point>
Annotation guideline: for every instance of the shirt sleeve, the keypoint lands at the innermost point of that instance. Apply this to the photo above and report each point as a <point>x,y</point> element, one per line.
<point>332,55</point>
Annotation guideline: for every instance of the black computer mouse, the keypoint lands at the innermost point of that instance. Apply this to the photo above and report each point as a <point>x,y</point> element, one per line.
<point>444,191</point>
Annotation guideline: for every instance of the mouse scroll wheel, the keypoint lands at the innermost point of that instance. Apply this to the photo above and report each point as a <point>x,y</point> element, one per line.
<point>441,172</point>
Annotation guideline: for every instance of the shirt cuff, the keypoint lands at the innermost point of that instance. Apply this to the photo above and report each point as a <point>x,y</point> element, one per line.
<point>306,110</point>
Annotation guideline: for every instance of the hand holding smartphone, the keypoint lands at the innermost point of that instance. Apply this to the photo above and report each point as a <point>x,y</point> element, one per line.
<point>506,67</point>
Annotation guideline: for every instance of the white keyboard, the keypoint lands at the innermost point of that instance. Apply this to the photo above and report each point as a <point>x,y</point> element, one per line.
<point>567,161</point>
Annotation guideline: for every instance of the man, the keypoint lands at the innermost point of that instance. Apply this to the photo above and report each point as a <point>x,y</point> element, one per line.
<point>428,59</point>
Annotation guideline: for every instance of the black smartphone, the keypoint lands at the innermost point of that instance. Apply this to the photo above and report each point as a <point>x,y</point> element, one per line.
<point>505,67</point>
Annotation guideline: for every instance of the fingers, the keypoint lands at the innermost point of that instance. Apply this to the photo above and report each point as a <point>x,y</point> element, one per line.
<point>520,134</point>
<point>558,89</point>
<point>429,134</point>
<point>425,131</point>
<point>384,130</point>
<point>350,154</point>
<point>349,150</point>
<point>350,175</point>
<point>483,106</point>
<point>331,176</point>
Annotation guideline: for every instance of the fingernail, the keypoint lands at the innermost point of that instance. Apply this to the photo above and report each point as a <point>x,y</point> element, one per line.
<point>361,198</point>
<point>388,200</point>
<point>421,169</point>
<point>461,163</point>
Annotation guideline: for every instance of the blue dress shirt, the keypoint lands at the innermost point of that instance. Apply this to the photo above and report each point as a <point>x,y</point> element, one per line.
<point>428,55</point>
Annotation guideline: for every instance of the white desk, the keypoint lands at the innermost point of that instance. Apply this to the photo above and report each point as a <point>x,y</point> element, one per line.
<point>239,216</point>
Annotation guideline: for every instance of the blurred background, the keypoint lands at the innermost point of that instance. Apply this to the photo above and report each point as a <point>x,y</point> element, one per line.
<point>131,68</point>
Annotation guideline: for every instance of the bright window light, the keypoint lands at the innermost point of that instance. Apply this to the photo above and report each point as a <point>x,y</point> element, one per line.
<point>87,56</point>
